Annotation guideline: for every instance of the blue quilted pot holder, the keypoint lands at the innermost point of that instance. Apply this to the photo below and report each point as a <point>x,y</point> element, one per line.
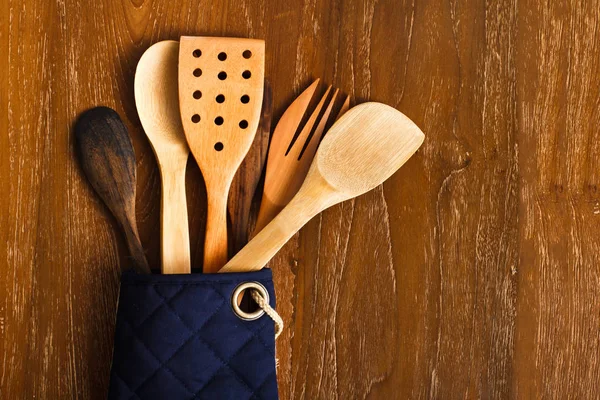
<point>178,337</point>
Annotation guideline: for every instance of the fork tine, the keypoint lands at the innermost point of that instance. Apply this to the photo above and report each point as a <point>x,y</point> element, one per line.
<point>311,148</point>
<point>344,108</point>
<point>290,120</point>
<point>298,145</point>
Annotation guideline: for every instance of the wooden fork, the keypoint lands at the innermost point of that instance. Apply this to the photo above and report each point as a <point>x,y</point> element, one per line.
<point>289,156</point>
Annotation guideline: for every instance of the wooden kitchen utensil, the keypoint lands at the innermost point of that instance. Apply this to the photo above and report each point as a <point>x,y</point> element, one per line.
<point>248,175</point>
<point>360,151</point>
<point>289,156</point>
<point>220,96</point>
<point>157,102</point>
<point>106,155</point>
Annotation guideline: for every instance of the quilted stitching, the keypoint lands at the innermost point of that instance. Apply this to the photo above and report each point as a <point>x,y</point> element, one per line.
<point>178,338</point>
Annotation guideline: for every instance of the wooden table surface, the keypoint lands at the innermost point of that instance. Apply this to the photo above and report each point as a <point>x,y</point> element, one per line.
<point>474,272</point>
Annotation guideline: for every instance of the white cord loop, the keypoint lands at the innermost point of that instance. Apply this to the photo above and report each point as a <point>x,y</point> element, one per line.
<point>262,303</point>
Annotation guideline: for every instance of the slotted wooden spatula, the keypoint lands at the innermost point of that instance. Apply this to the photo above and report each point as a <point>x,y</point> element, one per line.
<point>220,96</point>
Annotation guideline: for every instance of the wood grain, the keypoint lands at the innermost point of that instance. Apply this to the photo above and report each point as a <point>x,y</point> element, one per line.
<point>474,272</point>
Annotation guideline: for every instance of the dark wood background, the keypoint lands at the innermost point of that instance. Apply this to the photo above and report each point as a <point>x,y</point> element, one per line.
<point>474,272</point>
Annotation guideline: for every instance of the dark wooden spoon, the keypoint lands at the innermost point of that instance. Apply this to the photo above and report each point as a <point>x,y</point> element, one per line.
<point>106,155</point>
<point>247,177</point>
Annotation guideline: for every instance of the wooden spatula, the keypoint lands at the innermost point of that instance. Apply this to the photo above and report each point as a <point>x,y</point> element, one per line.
<point>157,102</point>
<point>361,150</point>
<point>220,96</point>
<point>106,154</point>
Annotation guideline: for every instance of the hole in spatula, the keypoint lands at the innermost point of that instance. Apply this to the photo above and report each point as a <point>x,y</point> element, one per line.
<point>195,118</point>
<point>243,124</point>
<point>220,98</point>
<point>197,53</point>
<point>222,75</point>
<point>197,94</point>
<point>246,74</point>
<point>245,99</point>
<point>247,54</point>
<point>197,72</point>
<point>222,56</point>
<point>219,146</point>
<point>219,121</point>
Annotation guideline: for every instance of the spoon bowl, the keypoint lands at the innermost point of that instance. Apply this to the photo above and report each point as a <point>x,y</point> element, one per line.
<point>367,145</point>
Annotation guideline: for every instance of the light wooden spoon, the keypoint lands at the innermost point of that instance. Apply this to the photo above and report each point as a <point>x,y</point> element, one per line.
<point>157,102</point>
<point>361,150</point>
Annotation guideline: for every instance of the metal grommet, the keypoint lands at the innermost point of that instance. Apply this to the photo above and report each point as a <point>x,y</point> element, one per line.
<point>236,294</point>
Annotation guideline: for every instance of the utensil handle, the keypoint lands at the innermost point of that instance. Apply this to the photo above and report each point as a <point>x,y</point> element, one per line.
<point>136,250</point>
<point>215,242</point>
<point>259,251</point>
<point>175,235</point>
